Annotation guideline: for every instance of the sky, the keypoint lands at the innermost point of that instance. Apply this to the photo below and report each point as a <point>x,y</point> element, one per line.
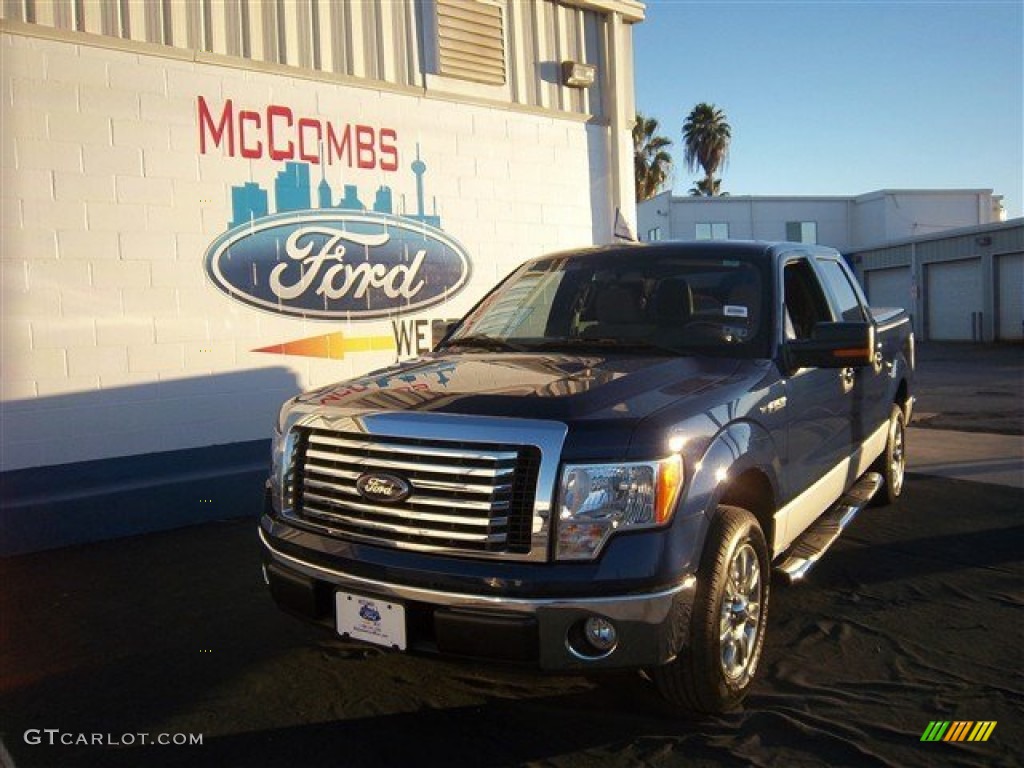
<point>843,97</point>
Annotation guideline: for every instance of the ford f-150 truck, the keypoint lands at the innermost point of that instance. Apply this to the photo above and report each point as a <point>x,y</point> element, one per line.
<point>600,465</point>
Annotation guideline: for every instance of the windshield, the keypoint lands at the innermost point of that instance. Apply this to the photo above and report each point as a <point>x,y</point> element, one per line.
<point>662,302</point>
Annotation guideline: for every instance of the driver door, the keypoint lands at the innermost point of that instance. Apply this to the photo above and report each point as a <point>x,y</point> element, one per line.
<point>818,401</point>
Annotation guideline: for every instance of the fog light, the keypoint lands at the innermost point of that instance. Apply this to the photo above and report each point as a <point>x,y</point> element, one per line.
<point>600,633</point>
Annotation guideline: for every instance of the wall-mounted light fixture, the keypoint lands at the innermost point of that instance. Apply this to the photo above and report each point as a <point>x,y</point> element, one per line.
<point>983,241</point>
<point>578,75</point>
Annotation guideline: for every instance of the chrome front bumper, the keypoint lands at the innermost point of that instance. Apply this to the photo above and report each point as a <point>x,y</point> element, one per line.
<point>651,627</point>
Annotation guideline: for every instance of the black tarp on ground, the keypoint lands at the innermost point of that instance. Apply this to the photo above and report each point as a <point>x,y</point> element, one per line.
<point>916,615</point>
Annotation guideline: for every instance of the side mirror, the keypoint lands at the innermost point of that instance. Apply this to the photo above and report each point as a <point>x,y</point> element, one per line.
<point>834,345</point>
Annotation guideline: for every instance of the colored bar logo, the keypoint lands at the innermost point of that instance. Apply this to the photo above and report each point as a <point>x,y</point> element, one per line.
<point>958,730</point>
<point>333,346</point>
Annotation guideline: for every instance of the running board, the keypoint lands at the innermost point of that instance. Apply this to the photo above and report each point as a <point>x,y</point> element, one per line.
<point>823,532</point>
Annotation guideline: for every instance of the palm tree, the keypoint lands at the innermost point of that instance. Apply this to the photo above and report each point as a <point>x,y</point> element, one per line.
<point>652,163</point>
<point>699,189</point>
<point>706,136</point>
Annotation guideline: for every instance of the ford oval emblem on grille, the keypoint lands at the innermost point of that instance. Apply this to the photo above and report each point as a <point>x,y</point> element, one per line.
<point>383,487</point>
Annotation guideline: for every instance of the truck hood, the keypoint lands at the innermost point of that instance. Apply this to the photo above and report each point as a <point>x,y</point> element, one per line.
<point>569,388</point>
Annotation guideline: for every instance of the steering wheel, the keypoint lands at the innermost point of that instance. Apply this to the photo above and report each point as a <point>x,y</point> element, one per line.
<point>695,325</point>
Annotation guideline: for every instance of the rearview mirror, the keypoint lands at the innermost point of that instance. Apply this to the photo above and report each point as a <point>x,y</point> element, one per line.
<point>833,345</point>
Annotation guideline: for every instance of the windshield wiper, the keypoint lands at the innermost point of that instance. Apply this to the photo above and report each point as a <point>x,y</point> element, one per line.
<point>489,343</point>
<point>607,342</point>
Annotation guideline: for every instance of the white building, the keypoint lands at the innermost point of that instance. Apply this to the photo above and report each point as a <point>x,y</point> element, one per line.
<point>959,285</point>
<point>846,223</point>
<point>947,256</point>
<point>208,206</point>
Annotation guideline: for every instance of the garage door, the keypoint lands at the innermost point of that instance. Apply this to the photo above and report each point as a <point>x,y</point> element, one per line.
<point>954,300</point>
<point>1010,279</point>
<point>889,288</point>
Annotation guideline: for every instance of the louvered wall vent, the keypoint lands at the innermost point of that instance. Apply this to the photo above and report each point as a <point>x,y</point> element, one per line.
<point>471,41</point>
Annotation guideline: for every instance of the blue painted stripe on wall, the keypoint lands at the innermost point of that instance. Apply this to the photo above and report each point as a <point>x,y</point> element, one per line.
<point>49,507</point>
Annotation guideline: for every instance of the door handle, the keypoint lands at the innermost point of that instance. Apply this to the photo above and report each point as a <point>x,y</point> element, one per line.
<point>848,377</point>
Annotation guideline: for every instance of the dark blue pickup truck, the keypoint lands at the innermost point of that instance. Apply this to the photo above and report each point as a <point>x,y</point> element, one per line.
<point>600,465</point>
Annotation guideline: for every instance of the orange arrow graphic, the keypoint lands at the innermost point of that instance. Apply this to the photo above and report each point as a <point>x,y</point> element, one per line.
<point>332,346</point>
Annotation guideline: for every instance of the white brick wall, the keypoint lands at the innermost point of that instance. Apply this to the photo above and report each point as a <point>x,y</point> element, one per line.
<point>48,155</point>
<point>137,134</point>
<point>75,335</point>
<point>114,341</point>
<point>86,244</point>
<point>76,127</point>
<point>125,331</point>
<point>108,102</point>
<point>77,187</point>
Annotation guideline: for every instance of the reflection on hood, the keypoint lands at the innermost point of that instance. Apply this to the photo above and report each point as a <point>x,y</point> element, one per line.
<point>536,385</point>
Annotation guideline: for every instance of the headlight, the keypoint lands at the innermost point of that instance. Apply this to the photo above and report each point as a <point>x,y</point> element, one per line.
<point>280,428</point>
<point>597,500</point>
<point>279,448</point>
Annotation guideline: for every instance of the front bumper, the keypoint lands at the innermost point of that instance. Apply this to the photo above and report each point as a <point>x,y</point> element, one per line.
<point>651,627</point>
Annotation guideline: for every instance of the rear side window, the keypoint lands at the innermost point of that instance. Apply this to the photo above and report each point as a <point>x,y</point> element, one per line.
<point>843,293</point>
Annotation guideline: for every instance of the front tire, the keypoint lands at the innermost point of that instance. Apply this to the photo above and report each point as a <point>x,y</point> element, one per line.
<point>892,464</point>
<point>714,672</point>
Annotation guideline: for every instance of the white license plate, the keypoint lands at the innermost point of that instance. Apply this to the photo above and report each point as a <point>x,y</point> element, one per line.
<point>370,619</point>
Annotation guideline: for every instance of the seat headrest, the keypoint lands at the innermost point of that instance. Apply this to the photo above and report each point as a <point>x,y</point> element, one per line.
<point>673,301</point>
<point>618,303</point>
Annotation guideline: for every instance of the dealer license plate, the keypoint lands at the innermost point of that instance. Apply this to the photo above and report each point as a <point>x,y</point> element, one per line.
<point>370,619</point>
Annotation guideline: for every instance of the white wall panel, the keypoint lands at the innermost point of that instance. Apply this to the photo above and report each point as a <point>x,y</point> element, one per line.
<point>1010,279</point>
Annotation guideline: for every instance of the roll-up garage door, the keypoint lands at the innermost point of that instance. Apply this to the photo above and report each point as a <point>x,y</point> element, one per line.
<point>954,300</point>
<point>1010,279</point>
<point>889,288</point>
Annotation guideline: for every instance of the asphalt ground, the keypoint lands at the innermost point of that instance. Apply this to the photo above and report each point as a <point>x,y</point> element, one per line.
<point>915,616</point>
<point>971,387</point>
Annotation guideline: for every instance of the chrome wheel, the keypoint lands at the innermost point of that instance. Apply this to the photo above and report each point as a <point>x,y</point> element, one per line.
<point>897,458</point>
<point>741,613</point>
<point>892,463</point>
<point>714,671</point>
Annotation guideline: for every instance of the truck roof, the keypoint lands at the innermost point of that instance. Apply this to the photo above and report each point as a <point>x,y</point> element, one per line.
<point>749,248</point>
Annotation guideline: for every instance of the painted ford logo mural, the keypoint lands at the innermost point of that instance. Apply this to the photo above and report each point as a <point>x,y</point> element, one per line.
<point>336,264</point>
<point>340,258</point>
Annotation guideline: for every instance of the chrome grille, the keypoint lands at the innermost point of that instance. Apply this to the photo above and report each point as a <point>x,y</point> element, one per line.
<point>465,498</point>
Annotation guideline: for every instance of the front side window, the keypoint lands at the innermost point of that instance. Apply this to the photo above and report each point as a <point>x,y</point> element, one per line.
<point>661,303</point>
<point>805,304</point>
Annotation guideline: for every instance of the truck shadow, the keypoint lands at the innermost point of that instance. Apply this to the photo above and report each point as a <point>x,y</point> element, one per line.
<point>899,542</point>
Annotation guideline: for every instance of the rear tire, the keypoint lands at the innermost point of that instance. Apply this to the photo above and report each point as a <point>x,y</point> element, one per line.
<point>892,464</point>
<point>715,670</point>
